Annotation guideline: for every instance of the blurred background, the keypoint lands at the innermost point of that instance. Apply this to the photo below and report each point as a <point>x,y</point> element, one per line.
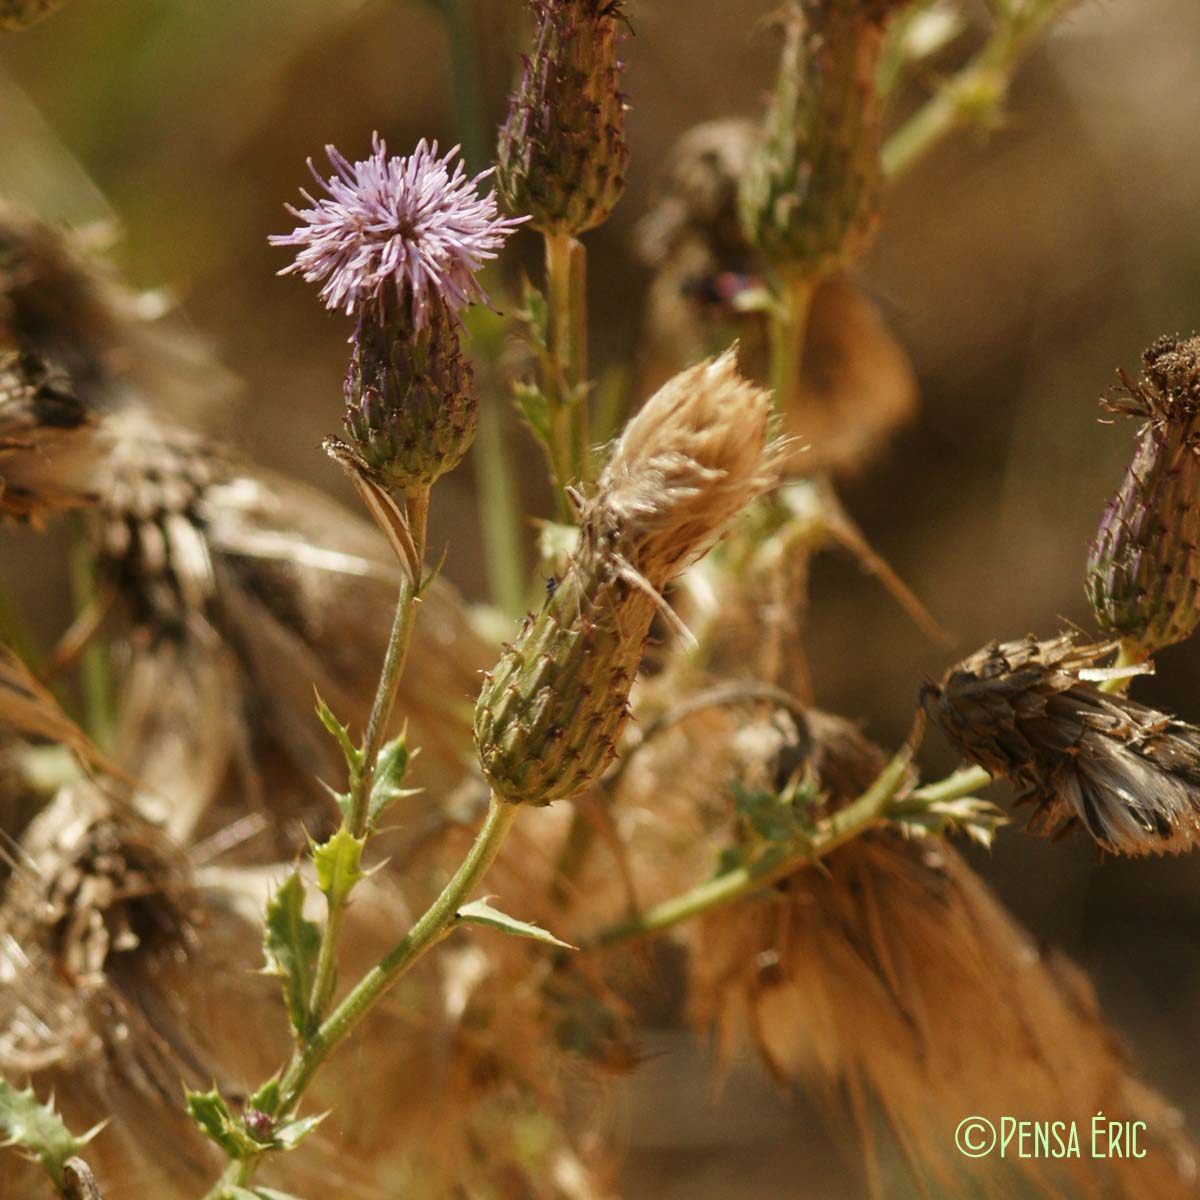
<point>1019,270</point>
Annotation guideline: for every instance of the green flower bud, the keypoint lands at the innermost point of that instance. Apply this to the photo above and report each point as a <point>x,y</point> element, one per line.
<point>1143,571</point>
<point>562,153</point>
<point>810,198</point>
<point>549,716</point>
<point>411,408</point>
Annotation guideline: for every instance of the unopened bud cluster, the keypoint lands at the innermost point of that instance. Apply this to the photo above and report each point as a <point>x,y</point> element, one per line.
<point>1143,575</point>
<point>810,198</point>
<point>562,148</point>
<point>549,715</point>
<point>1032,712</point>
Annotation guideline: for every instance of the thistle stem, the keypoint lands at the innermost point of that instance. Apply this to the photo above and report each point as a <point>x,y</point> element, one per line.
<point>788,325</point>
<point>1128,655</point>
<point>436,923</point>
<point>498,514</point>
<point>773,865</point>
<point>566,286</point>
<point>361,781</point>
<point>977,90</point>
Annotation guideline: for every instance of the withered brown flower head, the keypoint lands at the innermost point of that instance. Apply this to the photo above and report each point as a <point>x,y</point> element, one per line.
<point>549,715</point>
<point>1143,575</point>
<point>46,439</point>
<point>1027,710</point>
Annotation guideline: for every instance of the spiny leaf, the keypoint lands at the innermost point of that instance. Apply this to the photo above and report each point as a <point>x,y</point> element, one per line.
<point>480,912</point>
<point>212,1114</point>
<point>39,1130</point>
<point>289,1135</point>
<point>337,862</point>
<point>386,787</point>
<point>335,727</point>
<point>266,1099</point>
<point>291,943</point>
<point>978,819</point>
<point>534,313</point>
<point>535,408</point>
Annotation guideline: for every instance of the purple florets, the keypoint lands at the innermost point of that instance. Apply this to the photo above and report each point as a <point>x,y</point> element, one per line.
<point>405,221</point>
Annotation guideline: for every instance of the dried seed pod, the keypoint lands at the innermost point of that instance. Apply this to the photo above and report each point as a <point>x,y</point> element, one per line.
<point>562,149</point>
<point>1027,711</point>
<point>1143,574</point>
<point>810,199</point>
<point>47,439</point>
<point>549,715</point>
<point>411,407</point>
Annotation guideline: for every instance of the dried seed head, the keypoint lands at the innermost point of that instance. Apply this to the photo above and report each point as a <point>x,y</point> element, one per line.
<point>1025,710</point>
<point>549,715</point>
<point>1143,575</point>
<point>810,198</point>
<point>411,408</point>
<point>18,14</point>
<point>562,150</point>
<point>47,439</point>
<point>684,466</point>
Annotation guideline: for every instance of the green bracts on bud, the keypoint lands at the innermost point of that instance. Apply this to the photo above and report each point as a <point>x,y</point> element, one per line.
<point>18,14</point>
<point>411,408</point>
<point>549,715</point>
<point>1143,576</point>
<point>810,198</point>
<point>562,153</point>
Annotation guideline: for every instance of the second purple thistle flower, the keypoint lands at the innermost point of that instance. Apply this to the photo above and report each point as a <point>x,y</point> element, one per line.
<point>416,223</point>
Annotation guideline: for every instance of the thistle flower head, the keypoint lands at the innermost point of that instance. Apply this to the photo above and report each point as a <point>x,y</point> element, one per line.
<point>1143,575</point>
<point>562,151</point>
<point>410,225</point>
<point>549,715</point>
<point>1031,712</point>
<point>810,197</point>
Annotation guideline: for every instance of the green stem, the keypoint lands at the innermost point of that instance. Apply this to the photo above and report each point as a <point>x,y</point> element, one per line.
<point>964,782</point>
<point>776,863</point>
<point>1129,654</point>
<point>464,73</point>
<point>976,91</point>
<point>499,515</point>
<point>788,325</point>
<point>566,387</point>
<point>434,925</point>
<point>325,975</point>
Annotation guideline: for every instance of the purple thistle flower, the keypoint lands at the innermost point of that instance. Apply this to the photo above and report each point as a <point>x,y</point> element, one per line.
<point>406,220</point>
